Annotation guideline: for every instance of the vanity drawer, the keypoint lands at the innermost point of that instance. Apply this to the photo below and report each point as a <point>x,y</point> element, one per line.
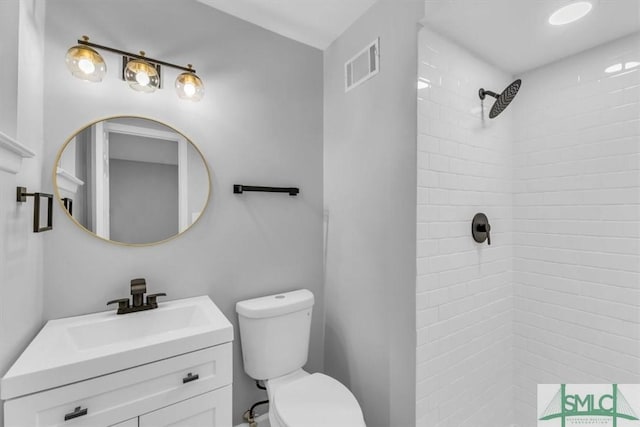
<point>119,396</point>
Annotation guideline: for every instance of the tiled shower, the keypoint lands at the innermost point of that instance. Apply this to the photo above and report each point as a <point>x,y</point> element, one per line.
<point>554,298</point>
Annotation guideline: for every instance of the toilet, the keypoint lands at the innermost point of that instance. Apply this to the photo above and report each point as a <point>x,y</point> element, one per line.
<point>274,334</point>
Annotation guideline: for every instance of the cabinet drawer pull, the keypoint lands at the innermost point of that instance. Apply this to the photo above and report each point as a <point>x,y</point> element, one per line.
<point>190,377</point>
<point>76,413</point>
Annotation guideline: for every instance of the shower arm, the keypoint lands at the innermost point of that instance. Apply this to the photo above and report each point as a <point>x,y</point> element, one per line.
<point>482,93</point>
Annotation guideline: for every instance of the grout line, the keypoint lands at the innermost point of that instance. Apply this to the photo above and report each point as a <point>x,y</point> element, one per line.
<point>588,267</point>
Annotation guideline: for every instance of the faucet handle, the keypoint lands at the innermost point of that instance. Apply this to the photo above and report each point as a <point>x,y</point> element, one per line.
<point>485,228</point>
<point>151,299</point>
<point>138,286</point>
<point>123,303</point>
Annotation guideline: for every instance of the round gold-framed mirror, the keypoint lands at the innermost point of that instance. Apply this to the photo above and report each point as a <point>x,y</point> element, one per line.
<point>131,180</point>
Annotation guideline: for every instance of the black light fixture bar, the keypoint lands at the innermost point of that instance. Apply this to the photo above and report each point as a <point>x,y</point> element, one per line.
<point>239,189</point>
<point>133,55</point>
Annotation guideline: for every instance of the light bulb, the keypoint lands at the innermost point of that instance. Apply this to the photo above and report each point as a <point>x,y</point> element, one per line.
<point>189,89</point>
<point>142,78</point>
<point>86,66</point>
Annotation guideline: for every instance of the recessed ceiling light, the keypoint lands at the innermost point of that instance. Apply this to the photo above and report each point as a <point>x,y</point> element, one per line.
<point>613,68</point>
<point>631,64</point>
<point>570,13</point>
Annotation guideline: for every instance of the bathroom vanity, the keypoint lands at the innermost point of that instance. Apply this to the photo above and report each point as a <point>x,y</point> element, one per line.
<point>167,366</point>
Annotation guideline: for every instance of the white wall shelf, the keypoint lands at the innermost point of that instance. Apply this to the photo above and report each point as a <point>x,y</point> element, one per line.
<point>68,181</point>
<point>12,153</point>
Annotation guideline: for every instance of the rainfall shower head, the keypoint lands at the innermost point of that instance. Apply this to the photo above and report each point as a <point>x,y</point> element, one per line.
<point>503,100</point>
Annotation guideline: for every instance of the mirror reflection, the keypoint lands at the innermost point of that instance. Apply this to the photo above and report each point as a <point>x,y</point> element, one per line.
<point>132,180</point>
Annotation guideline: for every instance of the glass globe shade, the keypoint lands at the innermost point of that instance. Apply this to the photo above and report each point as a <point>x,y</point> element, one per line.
<point>189,86</point>
<point>85,63</point>
<point>141,76</point>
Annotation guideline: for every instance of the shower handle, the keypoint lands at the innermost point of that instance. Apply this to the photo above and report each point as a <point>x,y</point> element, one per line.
<point>485,228</point>
<point>480,228</point>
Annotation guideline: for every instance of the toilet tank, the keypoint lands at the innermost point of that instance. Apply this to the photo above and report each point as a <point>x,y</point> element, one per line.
<point>274,333</point>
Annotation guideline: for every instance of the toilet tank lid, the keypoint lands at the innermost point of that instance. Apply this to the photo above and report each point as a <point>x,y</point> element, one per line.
<point>275,305</point>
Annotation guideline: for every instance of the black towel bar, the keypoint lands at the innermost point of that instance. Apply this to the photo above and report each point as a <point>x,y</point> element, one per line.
<point>239,189</point>
<point>21,197</point>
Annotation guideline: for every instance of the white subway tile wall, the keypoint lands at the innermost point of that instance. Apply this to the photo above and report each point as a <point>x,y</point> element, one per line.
<point>464,289</point>
<point>556,298</point>
<point>576,237</point>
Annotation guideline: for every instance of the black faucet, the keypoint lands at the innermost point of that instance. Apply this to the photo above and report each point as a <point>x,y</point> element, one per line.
<point>138,289</point>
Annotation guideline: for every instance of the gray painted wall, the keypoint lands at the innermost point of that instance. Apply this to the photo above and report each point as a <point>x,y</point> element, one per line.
<point>9,10</point>
<point>259,123</point>
<point>370,199</point>
<point>142,149</point>
<point>20,248</point>
<point>143,201</point>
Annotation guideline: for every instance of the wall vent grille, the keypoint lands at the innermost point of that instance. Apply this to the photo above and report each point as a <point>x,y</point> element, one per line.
<point>363,66</point>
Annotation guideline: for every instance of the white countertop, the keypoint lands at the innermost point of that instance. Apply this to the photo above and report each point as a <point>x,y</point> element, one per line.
<point>77,348</point>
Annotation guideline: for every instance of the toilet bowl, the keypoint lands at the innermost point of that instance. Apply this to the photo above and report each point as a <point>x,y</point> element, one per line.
<point>274,336</point>
<point>311,400</point>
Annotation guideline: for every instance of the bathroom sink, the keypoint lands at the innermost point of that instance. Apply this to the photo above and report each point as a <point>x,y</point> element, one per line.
<point>77,348</point>
<point>136,328</point>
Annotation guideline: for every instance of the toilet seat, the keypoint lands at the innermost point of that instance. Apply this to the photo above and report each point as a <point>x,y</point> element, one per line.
<point>316,400</point>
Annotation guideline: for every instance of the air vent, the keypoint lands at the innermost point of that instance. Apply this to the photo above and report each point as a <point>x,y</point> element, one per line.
<point>363,66</point>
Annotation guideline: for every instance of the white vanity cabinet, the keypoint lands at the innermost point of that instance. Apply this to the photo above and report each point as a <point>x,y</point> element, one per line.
<point>208,409</point>
<point>170,366</point>
<point>192,389</point>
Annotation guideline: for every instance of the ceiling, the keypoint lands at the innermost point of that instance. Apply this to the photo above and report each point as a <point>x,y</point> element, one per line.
<point>512,34</point>
<point>515,34</point>
<point>313,22</point>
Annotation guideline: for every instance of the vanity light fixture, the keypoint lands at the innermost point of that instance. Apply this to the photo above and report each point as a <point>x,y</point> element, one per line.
<point>570,13</point>
<point>143,74</point>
